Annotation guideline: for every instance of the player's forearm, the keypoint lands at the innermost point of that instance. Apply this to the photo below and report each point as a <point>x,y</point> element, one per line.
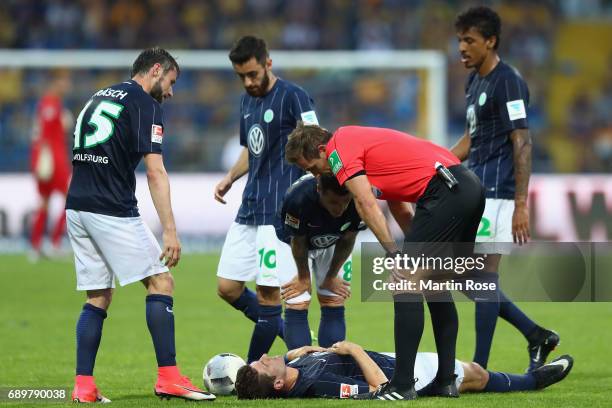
<point>402,213</point>
<point>159,186</point>
<point>521,146</point>
<point>241,167</point>
<point>299,250</point>
<point>372,373</point>
<point>374,218</point>
<point>342,250</point>
<point>461,149</point>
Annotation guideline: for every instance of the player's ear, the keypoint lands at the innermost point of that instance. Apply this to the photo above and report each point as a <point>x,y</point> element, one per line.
<point>322,149</point>
<point>156,70</point>
<point>268,63</point>
<point>278,384</point>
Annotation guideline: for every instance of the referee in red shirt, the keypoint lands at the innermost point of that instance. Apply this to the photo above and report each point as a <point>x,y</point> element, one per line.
<point>377,163</point>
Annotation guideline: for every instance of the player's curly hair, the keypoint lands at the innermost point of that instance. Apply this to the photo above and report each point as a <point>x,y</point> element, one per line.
<point>248,47</point>
<point>483,19</point>
<point>304,142</point>
<point>252,385</point>
<point>151,56</point>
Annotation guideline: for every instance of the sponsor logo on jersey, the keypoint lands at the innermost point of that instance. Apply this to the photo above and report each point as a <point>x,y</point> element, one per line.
<point>256,140</point>
<point>334,162</point>
<point>516,109</point>
<point>293,222</point>
<point>323,241</point>
<point>310,118</point>
<point>157,134</point>
<point>348,390</point>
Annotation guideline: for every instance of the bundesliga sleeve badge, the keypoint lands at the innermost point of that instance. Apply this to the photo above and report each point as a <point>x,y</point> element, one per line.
<point>157,134</point>
<point>293,222</point>
<point>348,390</point>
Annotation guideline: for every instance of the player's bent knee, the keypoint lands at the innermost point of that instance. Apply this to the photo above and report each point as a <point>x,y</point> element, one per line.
<point>100,298</point>
<point>330,301</point>
<point>297,306</point>
<point>268,295</point>
<point>481,375</point>
<point>229,290</point>
<point>160,284</point>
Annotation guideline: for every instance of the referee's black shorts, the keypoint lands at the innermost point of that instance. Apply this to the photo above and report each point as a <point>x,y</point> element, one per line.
<point>448,216</point>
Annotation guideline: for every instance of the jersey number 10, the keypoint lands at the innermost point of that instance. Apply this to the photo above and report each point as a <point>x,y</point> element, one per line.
<point>101,120</point>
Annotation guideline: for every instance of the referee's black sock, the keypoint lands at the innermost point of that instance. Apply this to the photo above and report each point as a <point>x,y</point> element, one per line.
<point>445,327</point>
<point>408,329</point>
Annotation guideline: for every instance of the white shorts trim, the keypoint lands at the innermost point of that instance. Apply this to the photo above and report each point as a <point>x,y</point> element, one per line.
<point>494,234</point>
<point>108,248</point>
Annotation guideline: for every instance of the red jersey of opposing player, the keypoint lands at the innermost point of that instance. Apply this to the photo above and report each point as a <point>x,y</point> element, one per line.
<point>49,161</point>
<point>398,166</point>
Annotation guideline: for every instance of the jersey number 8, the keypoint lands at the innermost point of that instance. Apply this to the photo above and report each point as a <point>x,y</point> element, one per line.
<point>101,120</point>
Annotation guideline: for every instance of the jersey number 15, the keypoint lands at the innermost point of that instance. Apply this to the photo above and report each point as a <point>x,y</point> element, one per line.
<point>101,120</point>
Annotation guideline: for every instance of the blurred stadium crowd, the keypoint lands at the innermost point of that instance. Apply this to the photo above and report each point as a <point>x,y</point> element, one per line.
<point>556,45</point>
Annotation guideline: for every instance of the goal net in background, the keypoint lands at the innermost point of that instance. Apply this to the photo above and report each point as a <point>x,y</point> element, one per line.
<point>405,90</point>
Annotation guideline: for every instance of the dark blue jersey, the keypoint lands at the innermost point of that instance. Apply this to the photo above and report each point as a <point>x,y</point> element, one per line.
<point>303,214</point>
<point>265,124</point>
<point>115,129</point>
<point>496,105</point>
<point>330,375</point>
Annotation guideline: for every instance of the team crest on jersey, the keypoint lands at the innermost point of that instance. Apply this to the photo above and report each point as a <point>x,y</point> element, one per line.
<point>482,99</point>
<point>334,162</point>
<point>323,241</point>
<point>293,222</point>
<point>345,226</point>
<point>256,139</point>
<point>348,390</point>
<point>157,134</point>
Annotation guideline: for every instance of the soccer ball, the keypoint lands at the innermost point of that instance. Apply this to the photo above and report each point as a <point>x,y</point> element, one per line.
<point>220,373</point>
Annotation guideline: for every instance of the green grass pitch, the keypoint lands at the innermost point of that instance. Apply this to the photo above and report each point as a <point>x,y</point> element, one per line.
<point>39,308</point>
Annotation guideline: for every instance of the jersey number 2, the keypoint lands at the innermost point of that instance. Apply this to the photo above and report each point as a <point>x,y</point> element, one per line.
<point>101,120</point>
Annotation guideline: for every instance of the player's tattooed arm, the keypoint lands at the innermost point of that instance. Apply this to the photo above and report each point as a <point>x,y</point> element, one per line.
<point>301,283</point>
<point>239,169</point>
<point>461,149</point>
<point>342,250</point>
<point>370,212</point>
<point>159,186</point>
<point>521,145</point>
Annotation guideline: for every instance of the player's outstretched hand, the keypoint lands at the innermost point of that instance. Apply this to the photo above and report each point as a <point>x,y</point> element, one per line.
<point>295,287</point>
<point>343,347</point>
<point>520,224</point>
<point>339,286</point>
<point>172,249</point>
<point>222,188</point>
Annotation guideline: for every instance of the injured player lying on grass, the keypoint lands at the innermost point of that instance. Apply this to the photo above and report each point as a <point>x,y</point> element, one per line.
<point>346,370</point>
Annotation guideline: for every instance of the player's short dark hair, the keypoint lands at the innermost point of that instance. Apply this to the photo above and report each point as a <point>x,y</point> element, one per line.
<point>252,385</point>
<point>328,182</point>
<point>152,56</point>
<point>249,47</point>
<point>303,142</point>
<point>483,19</point>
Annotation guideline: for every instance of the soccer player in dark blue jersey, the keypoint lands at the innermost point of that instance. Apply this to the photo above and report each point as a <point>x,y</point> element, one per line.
<point>119,126</point>
<point>498,145</point>
<point>320,222</point>
<point>269,111</point>
<point>346,370</point>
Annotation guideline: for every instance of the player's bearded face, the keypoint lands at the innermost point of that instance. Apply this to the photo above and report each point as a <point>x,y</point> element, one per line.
<point>259,86</point>
<point>334,203</point>
<point>162,89</point>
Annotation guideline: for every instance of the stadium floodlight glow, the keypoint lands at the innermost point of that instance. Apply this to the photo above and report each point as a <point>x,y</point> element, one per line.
<point>433,62</point>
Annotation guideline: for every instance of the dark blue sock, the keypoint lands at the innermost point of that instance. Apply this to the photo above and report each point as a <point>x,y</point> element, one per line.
<point>160,320</point>
<point>297,331</point>
<point>88,335</point>
<point>265,331</point>
<point>247,303</point>
<point>332,327</point>
<point>504,382</point>
<point>487,310</point>
<point>515,316</point>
